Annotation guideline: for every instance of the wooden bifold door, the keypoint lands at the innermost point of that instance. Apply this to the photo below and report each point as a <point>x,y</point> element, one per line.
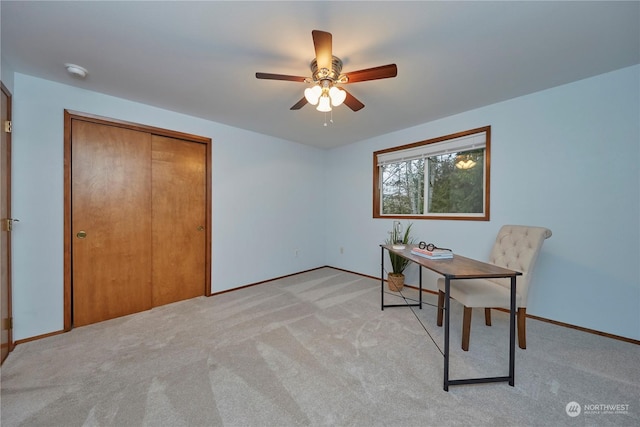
<point>137,219</point>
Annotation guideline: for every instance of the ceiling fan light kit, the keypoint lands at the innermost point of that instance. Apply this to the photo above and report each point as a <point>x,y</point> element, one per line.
<point>324,97</point>
<point>326,74</point>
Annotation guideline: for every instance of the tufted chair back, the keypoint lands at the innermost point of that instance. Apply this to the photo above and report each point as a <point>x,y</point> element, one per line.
<point>517,248</point>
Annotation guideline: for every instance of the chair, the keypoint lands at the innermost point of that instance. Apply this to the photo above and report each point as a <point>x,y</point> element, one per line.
<point>515,248</point>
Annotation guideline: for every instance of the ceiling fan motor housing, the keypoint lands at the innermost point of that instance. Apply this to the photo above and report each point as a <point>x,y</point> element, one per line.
<point>324,74</point>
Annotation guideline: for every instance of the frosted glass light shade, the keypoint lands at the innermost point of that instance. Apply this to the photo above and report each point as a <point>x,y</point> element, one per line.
<point>312,94</point>
<point>337,96</point>
<point>324,105</point>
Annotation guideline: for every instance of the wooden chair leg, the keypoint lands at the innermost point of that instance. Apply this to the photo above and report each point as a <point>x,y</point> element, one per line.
<point>440,307</point>
<point>522,334</point>
<point>487,316</point>
<point>466,328</point>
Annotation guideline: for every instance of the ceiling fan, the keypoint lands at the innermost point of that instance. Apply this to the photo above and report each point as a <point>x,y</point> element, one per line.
<point>326,75</point>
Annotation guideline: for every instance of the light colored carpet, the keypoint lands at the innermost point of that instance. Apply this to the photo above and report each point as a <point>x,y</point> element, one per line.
<point>312,350</point>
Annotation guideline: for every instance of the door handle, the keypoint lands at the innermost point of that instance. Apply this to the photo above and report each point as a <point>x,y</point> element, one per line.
<point>81,234</point>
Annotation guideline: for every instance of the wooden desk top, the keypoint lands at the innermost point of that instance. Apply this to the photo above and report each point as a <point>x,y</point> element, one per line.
<point>458,267</point>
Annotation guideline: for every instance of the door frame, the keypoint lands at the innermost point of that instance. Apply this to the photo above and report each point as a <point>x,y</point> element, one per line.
<point>11,344</point>
<point>69,116</point>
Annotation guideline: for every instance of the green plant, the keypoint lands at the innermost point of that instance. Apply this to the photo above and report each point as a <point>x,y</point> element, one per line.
<point>398,263</point>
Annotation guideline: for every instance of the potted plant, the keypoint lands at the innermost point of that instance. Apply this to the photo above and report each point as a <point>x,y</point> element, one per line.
<point>395,279</point>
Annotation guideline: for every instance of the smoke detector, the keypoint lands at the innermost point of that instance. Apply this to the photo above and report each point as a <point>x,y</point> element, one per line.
<point>76,71</point>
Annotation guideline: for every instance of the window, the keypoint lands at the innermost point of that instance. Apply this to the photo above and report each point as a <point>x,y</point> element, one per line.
<point>441,178</point>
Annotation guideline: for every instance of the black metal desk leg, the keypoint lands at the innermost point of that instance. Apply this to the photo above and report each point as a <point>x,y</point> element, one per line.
<point>512,337</point>
<point>382,278</point>
<point>447,286</point>
<point>420,298</point>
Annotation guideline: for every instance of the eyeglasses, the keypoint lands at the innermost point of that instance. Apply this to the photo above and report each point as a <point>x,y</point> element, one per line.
<point>430,246</point>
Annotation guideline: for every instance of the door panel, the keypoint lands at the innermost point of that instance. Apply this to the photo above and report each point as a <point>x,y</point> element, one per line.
<point>111,203</point>
<point>5,234</point>
<point>179,232</point>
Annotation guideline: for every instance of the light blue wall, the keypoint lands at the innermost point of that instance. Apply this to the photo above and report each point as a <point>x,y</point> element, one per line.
<point>267,198</point>
<point>565,158</point>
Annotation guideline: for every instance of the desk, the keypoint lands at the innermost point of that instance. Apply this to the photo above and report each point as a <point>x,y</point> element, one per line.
<point>459,267</point>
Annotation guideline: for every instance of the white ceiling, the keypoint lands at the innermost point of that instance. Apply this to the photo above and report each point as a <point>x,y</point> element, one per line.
<point>200,58</point>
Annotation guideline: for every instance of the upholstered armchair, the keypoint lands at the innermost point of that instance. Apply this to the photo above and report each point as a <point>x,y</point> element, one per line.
<point>515,248</point>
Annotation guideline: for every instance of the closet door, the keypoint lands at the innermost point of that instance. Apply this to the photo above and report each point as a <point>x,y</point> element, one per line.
<point>110,221</point>
<point>179,219</point>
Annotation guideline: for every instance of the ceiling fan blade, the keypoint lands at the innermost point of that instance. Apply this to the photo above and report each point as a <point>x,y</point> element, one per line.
<point>376,73</point>
<point>351,102</point>
<point>322,42</point>
<point>298,105</point>
<point>270,76</point>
